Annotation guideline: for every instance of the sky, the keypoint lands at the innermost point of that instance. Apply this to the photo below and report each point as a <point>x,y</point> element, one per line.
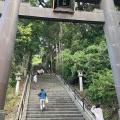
<point>45,0</point>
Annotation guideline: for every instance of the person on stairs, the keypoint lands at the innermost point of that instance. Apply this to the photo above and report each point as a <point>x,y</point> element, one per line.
<point>40,72</point>
<point>42,94</point>
<point>35,81</point>
<point>97,111</point>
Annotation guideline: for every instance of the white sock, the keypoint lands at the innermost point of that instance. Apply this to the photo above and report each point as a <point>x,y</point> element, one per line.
<point>43,106</point>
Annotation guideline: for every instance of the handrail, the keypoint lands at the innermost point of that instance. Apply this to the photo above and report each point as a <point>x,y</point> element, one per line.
<point>81,96</point>
<point>22,102</point>
<point>78,96</point>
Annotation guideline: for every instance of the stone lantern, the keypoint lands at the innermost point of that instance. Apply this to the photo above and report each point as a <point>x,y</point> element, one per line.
<point>80,74</point>
<point>25,72</point>
<point>18,78</point>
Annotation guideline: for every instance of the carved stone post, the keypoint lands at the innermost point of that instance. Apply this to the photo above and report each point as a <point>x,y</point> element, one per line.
<point>80,80</point>
<point>8,28</point>
<point>57,59</point>
<point>18,78</point>
<point>112,33</point>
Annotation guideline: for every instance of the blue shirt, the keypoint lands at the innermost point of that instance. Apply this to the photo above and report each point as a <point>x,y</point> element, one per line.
<point>42,95</point>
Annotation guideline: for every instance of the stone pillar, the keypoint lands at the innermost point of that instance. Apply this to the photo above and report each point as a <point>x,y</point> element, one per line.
<point>112,33</point>
<point>17,87</point>
<point>8,28</point>
<point>2,114</point>
<point>25,72</point>
<point>18,78</point>
<point>56,59</point>
<point>80,80</point>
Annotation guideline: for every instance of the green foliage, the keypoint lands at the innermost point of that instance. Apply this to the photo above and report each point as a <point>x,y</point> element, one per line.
<point>11,84</point>
<point>73,70</point>
<point>9,88</point>
<point>102,83</point>
<point>36,60</point>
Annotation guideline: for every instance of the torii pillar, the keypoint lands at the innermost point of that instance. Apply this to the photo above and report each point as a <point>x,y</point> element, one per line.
<point>8,28</point>
<point>112,33</point>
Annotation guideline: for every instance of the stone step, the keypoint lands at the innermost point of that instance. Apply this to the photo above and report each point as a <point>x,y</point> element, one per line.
<point>51,97</point>
<point>52,103</point>
<point>50,93</point>
<point>52,106</point>
<point>53,112</point>
<point>51,100</point>
<point>60,118</point>
<point>52,115</point>
<point>53,109</point>
<point>54,100</point>
<point>55,90</point>
<point>36,93</point>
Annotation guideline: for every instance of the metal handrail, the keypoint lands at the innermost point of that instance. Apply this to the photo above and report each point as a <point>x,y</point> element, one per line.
<point>78,96</point>
<point>22,102</point>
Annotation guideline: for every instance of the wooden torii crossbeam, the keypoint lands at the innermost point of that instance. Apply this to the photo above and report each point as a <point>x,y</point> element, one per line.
<point>29,12</point>
<point>14,9</point>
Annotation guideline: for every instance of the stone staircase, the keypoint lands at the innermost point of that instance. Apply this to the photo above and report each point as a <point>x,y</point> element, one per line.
<point>60,106</point>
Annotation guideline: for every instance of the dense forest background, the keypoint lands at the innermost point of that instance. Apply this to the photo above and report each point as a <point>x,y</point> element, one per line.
<point>66,48</point>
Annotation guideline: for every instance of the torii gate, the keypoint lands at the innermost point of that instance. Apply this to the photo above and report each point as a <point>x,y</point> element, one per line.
<point>14,9</point>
